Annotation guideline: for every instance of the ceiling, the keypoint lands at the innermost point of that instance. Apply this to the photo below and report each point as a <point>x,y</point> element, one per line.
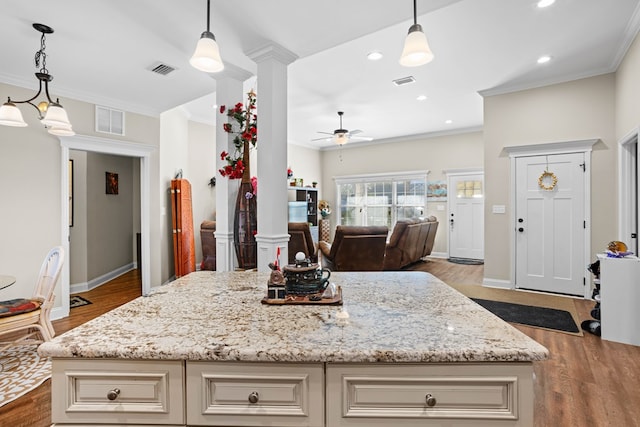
<point>101,52</point>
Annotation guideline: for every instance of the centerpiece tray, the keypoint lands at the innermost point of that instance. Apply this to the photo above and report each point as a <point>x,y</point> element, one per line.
<point>305,299</point>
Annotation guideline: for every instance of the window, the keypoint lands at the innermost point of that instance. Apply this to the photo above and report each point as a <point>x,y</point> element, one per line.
<point>381,199</point>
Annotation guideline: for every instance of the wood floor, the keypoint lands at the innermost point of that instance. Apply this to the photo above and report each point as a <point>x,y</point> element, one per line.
<point>587,382</point>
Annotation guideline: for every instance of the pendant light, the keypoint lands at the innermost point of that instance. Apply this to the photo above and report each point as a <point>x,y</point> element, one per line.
<point>207,55</point>
<point>416,48</point>
<point>51,113</point>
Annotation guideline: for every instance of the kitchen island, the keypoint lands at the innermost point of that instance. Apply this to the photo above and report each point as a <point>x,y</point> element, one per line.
<point>404,349</point>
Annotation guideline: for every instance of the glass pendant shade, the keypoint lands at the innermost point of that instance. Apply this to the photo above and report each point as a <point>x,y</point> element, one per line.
<point>56,117</point>
<point>61,131</point>
<point>10,115</point>
<point>340,138</point>
<point>416,48</point>
<point>207,55</point>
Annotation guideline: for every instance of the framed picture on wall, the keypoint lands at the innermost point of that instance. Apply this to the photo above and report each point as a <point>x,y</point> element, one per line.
<point>111,183</point>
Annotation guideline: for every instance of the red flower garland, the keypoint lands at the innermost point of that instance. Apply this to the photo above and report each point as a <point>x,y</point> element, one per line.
<point>246,130</point>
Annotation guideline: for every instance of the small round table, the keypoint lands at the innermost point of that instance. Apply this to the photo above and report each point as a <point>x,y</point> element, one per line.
<point>6,281</point>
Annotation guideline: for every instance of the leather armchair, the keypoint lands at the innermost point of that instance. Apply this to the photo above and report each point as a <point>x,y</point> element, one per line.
<point>410,241</point>
<point>355,248</point>
<point>301,241</point>
<point>208,240</point>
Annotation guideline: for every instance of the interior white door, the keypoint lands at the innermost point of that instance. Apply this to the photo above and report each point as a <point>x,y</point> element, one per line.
<point>466,216</point>
<point>550,223</point>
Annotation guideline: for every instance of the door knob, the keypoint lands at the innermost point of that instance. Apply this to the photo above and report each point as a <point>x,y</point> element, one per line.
<point>520,220</point>
<point>521,229</point>
<point>254,397</point>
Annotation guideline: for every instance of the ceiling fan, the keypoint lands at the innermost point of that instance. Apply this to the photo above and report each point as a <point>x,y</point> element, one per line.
<point>342,136</point>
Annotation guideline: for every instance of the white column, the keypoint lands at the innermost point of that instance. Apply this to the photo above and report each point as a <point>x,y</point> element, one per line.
<point>229,91</point>
<point>272,61</point>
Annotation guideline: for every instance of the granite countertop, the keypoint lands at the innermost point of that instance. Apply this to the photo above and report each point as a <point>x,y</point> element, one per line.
<point>392,317</point>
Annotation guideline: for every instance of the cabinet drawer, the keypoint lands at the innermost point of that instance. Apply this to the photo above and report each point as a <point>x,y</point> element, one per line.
<point>255,394</point>
<point>117,391</point>
<point>490,394</point>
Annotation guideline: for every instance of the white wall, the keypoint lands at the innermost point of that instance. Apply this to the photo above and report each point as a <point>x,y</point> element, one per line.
<point>30,164</point>
<point>202,167</point>
<point>578,110</point>
<point>436,154</point>
<point>628,91</point>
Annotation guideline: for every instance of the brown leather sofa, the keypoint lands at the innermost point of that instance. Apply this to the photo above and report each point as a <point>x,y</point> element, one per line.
<point>301,241</point>
<point>355,248</point>
<point>410,241</point>
<point>208,240</point>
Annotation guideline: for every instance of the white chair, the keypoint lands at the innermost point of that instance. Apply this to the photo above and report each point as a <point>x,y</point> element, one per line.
<point>32,314</point>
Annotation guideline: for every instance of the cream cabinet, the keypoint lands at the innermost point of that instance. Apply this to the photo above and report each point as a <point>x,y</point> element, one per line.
<point>120,392</point>
<point>102,392</point>
<point>255,394</point>
<point>429,395</point>
<point>620,299</point>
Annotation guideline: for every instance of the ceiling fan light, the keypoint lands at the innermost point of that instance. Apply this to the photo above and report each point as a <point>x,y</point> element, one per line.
<point>10,115</point>
<point>340,138</point>
<point>207,54</point>
<point>56,116</point>
<point>416,48</point>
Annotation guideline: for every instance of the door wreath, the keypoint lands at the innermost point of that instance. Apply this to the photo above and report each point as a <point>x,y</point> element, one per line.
<point>547,181</point>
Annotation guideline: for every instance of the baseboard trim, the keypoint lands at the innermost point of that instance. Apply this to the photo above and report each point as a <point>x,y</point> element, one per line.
<point>443,255</point>
<point>497,283</point>
<point>100,280</point>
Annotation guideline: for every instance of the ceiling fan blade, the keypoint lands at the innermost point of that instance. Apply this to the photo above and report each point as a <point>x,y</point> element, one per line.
<point>323,139</point>
<point>362,138</point>
<point>355,132</point>
<point>326,133</point>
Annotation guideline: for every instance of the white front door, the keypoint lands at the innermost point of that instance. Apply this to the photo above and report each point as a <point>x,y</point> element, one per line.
<point>466,216</point>
<point>550,223</point>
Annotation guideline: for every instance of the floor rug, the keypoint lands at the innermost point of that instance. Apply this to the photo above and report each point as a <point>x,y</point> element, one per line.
<point>21,370</point>
<point>539,317</point>
<point>76,301</point>
<point>526,298</point>
<point>466,261</point>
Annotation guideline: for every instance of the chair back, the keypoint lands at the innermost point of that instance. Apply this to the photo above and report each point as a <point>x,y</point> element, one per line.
<point>300,240</point>
<point>358,248</point>
<point>48,277</point>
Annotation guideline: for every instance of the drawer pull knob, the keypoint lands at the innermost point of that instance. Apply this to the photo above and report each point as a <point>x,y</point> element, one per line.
<point>431,401</point>
<point>254,397</point>
<point>113,394</point>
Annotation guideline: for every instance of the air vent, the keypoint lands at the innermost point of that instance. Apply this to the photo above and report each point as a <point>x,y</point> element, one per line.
<point>109,120</point>
<point>404,81</point>
<point>161,68</point>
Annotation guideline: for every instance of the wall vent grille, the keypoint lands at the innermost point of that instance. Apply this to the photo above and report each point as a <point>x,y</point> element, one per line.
<point>109,120</point>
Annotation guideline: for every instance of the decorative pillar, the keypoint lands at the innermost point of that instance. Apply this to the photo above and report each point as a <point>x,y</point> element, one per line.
<point>272,61</point>
<point>229,91</point>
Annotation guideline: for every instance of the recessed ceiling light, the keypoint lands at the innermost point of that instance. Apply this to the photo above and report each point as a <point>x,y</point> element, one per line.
<point>374,56</point>
<point>448,121</point>
<point>545,3</point>
<point>544,59</point>
<point>421,97</point>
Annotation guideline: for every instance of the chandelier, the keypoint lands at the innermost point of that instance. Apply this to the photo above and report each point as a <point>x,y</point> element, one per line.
<point>50,113</point>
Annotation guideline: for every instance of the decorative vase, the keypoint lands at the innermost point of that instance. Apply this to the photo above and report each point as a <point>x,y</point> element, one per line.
<point>245,224</point>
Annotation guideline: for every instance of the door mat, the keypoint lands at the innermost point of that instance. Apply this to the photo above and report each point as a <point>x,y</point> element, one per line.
<point>539,317</point>
<point>21,370</point>
<point>76,301</point>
